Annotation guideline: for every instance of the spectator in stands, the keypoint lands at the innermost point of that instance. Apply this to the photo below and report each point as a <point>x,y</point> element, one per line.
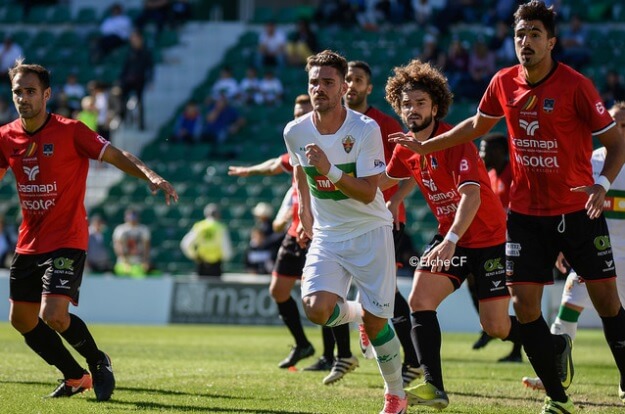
<point>74,92</point>
<point>131,241</point>
<point>431,52</point>
<point>574,50</point>
<point>613,91</point>
<point>7,113</point>
<point>457,63</point>
<point>181,11</point>
<point>249,92</point>
<point>208,243</point>
<point>155,11</point>
<point>422,11</point>
<point>454,11</point>
<point>98,257</point>
<point>9,53</point>
<point>271,47</point>
<point>301,44</point>
<point>220,121</point>
<point>337,12</point>
<point>502,45</point>
<point>189,124</point>
<point>100,94</point>
<point>263,218</point>
<point>271,88</point>
<point>8,238</point>
<point>115,30</point>
<point>60,106</point>
<point>481,68</point>
<point>136,74</point>
<point>88,114</point>
<point>226,85</point>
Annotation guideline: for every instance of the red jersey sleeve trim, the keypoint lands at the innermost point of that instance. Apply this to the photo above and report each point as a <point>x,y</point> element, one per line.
<point>102,151</point>
<point>398,178</point>
<point>468,182</point>
<point>601,131</point>
<point>485,115</point>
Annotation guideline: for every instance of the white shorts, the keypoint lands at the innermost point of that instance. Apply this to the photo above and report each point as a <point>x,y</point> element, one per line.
<point>576,293</point>
<point>369,259</point>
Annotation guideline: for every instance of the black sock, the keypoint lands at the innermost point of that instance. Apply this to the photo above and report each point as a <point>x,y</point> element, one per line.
<point>328,342</point>
<point>290,316</point>
<point>515,334</point>
<point>49,346</point>
<point>534,336</point>
<point>402,325</point>
<point>341,335</point>
<point>79,337</point>
<point>426,337</point>
<point>614,331</point>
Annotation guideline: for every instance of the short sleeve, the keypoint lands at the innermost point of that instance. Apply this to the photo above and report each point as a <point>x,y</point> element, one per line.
<point>397,167</point>
<point>463,162</point>
<point>88,143</point>
<point>370,159</point>
<point>590,107</point>
<point>285,162</point>
<point>490,104</point>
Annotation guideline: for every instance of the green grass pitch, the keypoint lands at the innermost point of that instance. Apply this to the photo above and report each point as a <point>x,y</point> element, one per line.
<point>233,369</point>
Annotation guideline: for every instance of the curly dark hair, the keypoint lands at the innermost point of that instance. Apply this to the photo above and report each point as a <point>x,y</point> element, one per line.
<point>328,58</point>
<point>537,10</point>
<point>419,76</point>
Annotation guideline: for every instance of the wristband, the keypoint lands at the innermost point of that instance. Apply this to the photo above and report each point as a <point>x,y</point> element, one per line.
<point>603,181</point>
<point>452,237</point>
<point>334,174</point>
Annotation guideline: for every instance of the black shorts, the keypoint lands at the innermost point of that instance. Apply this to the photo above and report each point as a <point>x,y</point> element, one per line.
<point>534,243</point>
<point>485,263</point>
<point>54,273</point>
<point>291,258</point>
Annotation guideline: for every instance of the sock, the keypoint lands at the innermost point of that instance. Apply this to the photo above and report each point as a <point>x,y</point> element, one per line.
<point>327,337</point>
<point>566,322</point>
<point>79,337</point>
<point>345,312</point>
<point>614,331</point>
<point>402,326</point>
<point>514,335</point>
<point>49,346</point>
<point>386,347</point>
<point>426,337</point>
<point>341,336</point>
<point>534,336</point>
<point>290,316</point>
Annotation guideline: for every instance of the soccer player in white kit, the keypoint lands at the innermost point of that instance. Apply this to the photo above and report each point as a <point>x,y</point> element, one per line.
<point>338,158</point>
<point>575,295</point>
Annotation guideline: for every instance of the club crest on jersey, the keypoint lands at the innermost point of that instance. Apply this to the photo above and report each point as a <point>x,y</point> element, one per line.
<point>348,143</point>
<point>378,163</point>
<point>48,150</point>
<point>600,108</point>
<point>548,105</point>
<point>434,163</point>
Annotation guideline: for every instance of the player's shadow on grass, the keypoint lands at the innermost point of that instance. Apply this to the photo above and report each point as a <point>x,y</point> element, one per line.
<point>145,405</point>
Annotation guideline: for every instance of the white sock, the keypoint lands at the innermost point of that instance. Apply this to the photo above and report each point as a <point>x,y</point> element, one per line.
<point>389,362</point>
<point>345,312</point>
<point>560,327</point>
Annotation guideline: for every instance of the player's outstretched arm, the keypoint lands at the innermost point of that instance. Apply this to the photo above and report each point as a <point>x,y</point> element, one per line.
<point>132,165</point>
<point>272,166</point>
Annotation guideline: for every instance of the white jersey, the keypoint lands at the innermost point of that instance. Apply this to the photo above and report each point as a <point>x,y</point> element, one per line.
<point>356,148</point>
<point>614,209</point>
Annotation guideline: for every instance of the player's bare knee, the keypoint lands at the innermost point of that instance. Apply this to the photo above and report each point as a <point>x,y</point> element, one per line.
<point>497,329</point>
<point>55,320</point>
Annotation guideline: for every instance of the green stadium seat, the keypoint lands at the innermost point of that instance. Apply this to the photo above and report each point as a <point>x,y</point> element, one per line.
<point>13,14</point>
<point>86,15</point>
<point>38,15</point>
<point>263,15</point>
<point>60,14</point>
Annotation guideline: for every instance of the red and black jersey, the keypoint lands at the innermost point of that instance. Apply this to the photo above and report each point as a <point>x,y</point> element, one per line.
<point>388,125</point>
<point>440,175</point>
<point>550,126</point>
<point>50,168</point>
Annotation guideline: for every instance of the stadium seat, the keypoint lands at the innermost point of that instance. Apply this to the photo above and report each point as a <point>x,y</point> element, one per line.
<point>263,15</point>
<point>37,15</point>
<point>86,15</point>
<point>13,14</point>
<point>60,14</point>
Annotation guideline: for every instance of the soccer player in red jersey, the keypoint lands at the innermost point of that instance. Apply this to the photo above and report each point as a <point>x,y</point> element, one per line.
<point>359,87</point>
<point>471,224</point>
<point>552,112</point>
<point>49,156</point>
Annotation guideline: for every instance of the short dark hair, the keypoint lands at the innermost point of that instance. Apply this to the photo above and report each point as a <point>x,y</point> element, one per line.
<point>42,73</point>
<point>328,58</point>
<point>302,99</point>
<point>360,64</point>
<point>419,76</point>
<point>537,10</point>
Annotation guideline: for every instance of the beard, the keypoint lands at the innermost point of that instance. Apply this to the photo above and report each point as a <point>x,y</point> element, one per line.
<point>414,127</point>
